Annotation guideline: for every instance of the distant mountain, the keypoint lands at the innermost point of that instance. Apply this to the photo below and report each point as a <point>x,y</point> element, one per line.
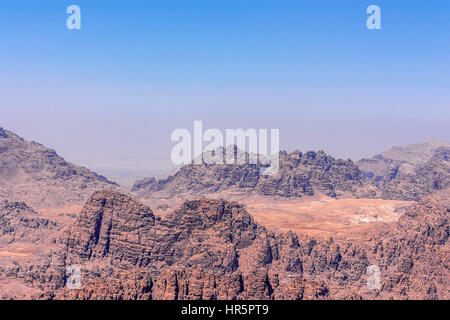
<point>212,248</point>
<point>409,172</point>
<point>300,174</point>
<point>37,175</point>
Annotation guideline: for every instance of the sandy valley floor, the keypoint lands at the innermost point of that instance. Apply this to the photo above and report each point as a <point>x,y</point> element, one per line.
<point>343,219</point>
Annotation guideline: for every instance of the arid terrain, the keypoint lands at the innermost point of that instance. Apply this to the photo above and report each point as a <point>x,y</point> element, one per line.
<point>323,217</point>
<point>38,175</point>
<point>409,172</point>
<point>225,231</point>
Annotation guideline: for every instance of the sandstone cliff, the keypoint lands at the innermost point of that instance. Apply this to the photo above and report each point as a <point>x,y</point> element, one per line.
<point>213,249</point>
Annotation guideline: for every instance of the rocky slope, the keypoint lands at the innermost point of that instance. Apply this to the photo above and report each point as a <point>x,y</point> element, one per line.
<point>299,174</point>
<point>213,249</point>
<point>410,172</point>
<point>33,173</point>
<point>18,223</point>
<point>28,245</point>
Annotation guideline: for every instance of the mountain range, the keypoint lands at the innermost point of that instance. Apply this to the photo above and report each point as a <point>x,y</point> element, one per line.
<point>402,173</point>
<point>211,248</point>
<point>300,174</point>
<point>409,172</point>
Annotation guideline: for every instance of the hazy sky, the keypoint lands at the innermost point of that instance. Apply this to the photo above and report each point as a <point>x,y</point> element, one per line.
<point>109,95</point>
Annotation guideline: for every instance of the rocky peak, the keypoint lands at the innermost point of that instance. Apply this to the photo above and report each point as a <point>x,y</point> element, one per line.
<point>299,174</point>
<point>3,133</point>
<point>209,210</point>
<point>14,206</point>
<point>115,227</point>
<point>109,223</point>
<point>38,175</point>
<point>409,172</point>
<point>143,184</point>
<point>19,222</point>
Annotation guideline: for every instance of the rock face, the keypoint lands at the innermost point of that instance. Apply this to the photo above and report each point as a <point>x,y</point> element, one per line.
<point>33,173</point>
<point>299,174</point>
<point>410,172</point>
<point>213,249</point>
<point>111,225</point>
<point>208,249</point>
<point>29,253</point>
<point>114,226</point>
<point>18,222</point>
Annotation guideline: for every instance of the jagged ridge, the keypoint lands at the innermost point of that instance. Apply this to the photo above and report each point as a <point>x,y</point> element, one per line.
<point>410,172</point>
<point>299,174</point>
<point>212,249</point>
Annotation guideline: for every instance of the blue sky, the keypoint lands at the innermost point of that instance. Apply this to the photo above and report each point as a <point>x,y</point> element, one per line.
<point>110,94</point>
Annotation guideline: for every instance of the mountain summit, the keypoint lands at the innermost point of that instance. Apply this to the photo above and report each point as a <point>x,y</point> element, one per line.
<point>410,172</point>
<point>299,174</point>
<point>37,175</point>
<point>3,133</point>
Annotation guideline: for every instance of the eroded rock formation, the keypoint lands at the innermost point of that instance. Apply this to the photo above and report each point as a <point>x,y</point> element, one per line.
<point>212,249</point>
<point>299,174</point>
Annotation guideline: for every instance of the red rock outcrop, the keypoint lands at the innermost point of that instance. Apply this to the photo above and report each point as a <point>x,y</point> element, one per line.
<point>212,249</point>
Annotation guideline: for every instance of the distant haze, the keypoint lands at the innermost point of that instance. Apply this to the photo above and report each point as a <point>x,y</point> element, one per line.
<point>109,95</point>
